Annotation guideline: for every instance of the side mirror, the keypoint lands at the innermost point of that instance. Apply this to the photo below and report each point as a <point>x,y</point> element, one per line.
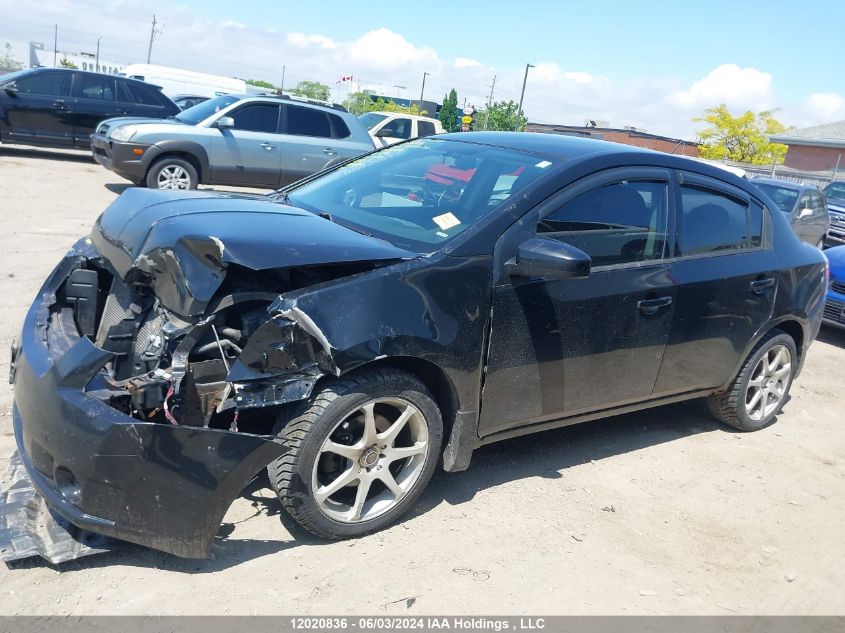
<point>540,257</point>
<point>805,212</point>
<point>225,123</point>
<point>384,132</point>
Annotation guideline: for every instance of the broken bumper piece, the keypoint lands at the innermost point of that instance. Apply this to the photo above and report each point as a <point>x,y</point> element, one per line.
<point>162,486</point>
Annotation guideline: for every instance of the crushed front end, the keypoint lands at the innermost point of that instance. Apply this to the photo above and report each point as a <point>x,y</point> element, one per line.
<point>126,429</point>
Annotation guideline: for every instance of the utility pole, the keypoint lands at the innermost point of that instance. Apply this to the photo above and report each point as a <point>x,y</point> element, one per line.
<point>489,103</point>
<point>97,62</point>
<point>522,95</point>
<point>282,87</point>
<point>422,90</point>
<point>152,37</point>
<point>55,43</point>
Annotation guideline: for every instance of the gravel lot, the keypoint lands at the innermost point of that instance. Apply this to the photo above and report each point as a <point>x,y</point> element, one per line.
<point>663,511</point>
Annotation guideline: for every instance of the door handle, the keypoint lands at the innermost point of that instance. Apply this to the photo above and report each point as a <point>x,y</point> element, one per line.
<point>650,307</point>
<point>329,151</point>
<point>759,286</point>
<point>268,146</point>
<point>59,104</point>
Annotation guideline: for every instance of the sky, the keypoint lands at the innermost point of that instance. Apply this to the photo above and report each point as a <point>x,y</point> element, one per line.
<point>651,64</point>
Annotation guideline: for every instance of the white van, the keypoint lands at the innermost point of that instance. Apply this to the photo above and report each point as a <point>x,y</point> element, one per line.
<point>388,128</point>
<point>176,81</point>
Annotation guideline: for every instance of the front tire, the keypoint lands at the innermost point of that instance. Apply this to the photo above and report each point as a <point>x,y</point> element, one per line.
<point>758,392</point>
<point>171,172</point>
<point>362,450</point>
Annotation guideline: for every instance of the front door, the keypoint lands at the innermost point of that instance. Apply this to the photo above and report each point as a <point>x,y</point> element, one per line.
<point>40,111</point>
<point>250,153</point>
<point>563,347</point>
<point>727,276</point>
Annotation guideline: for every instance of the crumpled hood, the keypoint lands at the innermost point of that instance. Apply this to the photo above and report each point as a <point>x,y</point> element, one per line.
<point>182,242</point>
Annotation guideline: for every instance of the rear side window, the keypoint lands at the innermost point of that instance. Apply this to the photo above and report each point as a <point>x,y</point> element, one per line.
<point>341,130</point>
<point>614,224</point>
<point>714,222</point>
<point>145,95</point>
<point>51,84</point>
<point>308,122</point>
<point>257,117</point>
<point>102,87</point>
<point>425,128</point>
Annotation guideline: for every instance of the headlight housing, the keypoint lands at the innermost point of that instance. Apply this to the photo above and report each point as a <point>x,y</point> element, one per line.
<point>124,132</point>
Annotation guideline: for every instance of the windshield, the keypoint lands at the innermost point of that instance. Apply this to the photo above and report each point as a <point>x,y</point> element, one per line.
<point>420,194</point>
<point>371,119</point>
<point>836,191</point>
<point>202,111</point>
<point>785,197</point>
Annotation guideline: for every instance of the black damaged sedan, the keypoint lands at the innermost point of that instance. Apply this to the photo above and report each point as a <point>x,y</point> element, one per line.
<point>356,329</point>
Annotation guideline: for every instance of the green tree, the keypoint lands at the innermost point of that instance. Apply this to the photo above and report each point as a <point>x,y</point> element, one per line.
<point>7,62</point>
<point>312,90</point>
<point>64,62</point>
<point>360,102</point>
<point>742,139</point>
<point>501,115</point>
<point>448,114</point>
<point>261,84</point>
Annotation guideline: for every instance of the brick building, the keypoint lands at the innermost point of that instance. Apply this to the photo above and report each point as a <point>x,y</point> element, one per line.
<point>817,148</point>
<point>626,136</point>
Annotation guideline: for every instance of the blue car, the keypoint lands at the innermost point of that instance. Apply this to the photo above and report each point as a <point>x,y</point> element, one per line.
<point>834,308</point>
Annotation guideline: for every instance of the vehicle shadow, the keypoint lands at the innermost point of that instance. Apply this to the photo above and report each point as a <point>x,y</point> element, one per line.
<point>76,156</point>
<point>832,335</point>
<point>542,454</point>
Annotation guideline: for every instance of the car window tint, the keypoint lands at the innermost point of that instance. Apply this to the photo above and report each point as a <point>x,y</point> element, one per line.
<point>815,201</point>
<point>53,84</point>
<point>143,94</point>
<point>756,218</point>
<point>341,130</point>
<point>712,222</point>
<point>805,201</point>
<point>100,87</point>
<point>397,128</point>
<point>614,224</point>
<point>257,117</point>
<point>308,122</point>
<point>425,128</point>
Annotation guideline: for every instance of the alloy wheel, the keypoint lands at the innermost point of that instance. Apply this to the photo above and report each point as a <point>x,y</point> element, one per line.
<point>173,177</point>
<point>768,383</point>
<point>370,460</point>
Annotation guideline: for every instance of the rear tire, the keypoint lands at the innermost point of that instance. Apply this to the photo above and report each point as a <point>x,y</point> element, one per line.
<point>761,387</point>
<point>349,472</point>
<point>170,172</point>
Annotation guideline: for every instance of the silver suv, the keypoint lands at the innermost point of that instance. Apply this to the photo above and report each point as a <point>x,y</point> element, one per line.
<point>231,140</point>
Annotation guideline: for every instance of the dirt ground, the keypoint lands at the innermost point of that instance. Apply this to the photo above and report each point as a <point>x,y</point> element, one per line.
<point>663,511</point>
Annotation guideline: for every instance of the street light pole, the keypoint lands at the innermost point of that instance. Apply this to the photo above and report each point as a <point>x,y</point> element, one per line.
<point>522,95</point>
<point>422,90</point>
<point>97,61</point>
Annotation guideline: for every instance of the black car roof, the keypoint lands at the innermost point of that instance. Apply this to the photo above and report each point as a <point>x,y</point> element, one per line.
<point>556,145</point>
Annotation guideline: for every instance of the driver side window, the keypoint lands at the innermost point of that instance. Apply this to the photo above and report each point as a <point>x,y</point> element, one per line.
<point>397,128</point>
<point>617,223</point>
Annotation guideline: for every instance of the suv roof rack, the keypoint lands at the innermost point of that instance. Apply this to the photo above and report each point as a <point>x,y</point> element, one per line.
<point>327,104</point>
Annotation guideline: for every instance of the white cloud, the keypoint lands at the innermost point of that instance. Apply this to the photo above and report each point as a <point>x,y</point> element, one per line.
<point>385,49</point>
<point>466,62</point>
<point>746,88</point>
<point>301,40</point>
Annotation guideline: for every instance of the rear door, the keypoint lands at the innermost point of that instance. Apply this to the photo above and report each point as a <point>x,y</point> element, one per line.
<point>313,138</point>
<point>41,111</point>
<point>250,153</point>
<point>96,99</point>
<point>727,273</point>
<point>561,347</point>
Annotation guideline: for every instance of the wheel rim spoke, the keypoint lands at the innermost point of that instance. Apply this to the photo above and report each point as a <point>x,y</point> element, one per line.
<point>350,452</point>
<point>370,432</point>
<point>390,482</point>
<point>360,498</point>
<point>389,436</point>
<point>403,452</point>
<point>346,478</point>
